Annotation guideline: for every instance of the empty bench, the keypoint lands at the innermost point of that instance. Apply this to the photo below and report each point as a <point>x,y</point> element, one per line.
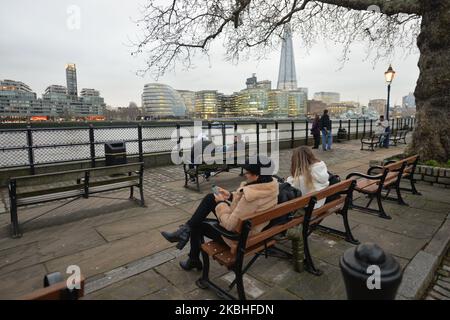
<point>73,184</point>
<point>385,178</point>
<point>372,141</point>
<point>192,171</point>
<point>399,136</point>
<point>255,245</point>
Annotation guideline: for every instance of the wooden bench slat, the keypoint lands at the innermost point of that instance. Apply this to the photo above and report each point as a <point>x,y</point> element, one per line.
<point>113,186</point>
<point>279,211</point>
<point>49,197</point>
<point>227,259</point>
<point>33,193</point>
<point>328,208</point>
<point>212,248</point>
<point>266,234</point>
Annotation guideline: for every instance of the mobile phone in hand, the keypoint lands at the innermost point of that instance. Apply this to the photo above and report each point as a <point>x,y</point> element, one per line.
<point>215,190</point>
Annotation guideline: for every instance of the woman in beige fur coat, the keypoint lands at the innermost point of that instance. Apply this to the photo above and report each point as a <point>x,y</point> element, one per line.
<point>258,193</point>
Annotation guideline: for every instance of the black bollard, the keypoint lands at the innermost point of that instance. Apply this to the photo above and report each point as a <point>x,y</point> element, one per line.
<point>370,273</point>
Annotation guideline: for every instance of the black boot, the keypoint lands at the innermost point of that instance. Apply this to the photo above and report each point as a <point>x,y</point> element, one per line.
<point>181,235</point>
<point>190,264</point>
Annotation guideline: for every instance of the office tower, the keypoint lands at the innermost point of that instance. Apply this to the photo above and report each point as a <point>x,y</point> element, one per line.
<point>252,102</point>
<point>71,78</point>
<point>160,100</point>
<point>287,77</point>
<point>207,104</point>
<point>409,101</point>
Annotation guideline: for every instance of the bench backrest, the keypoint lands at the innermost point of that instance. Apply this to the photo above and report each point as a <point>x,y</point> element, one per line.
<point>280,210</point>
<point>411,160</point>
<point>47,178</point>
<point>343,189</point>
<point>72,175</point>
<point>307,202</point>
<point>118,169</point>
<point>395,166</point>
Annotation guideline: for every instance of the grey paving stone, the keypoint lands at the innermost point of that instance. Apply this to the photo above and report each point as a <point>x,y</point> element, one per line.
<point>325,287</point>
<point>391,242</point>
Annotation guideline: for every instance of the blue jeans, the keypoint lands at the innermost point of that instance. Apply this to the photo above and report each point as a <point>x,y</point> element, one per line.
<point>327,140</point>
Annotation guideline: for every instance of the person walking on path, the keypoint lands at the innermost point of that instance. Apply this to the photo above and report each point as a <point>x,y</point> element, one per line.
<point>315,131</point>
<point>325,127</point>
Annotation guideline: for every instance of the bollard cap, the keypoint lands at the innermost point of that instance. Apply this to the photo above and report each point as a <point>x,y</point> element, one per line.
<point>364,255</point>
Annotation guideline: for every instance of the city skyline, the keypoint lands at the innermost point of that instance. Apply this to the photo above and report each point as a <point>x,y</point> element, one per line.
<point>100,50</point>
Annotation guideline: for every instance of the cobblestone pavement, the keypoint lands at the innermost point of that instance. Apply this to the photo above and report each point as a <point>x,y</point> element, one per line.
<point>119,249</point>
<point>440,289</point>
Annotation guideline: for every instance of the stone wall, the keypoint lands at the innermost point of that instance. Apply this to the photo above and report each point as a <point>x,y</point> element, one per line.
<point>433,175</point>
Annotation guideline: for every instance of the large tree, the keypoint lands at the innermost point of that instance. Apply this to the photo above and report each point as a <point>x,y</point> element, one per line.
<point>176,30</point>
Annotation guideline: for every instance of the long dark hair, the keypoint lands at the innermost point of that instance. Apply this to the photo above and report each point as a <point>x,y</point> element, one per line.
<point>261,179</point>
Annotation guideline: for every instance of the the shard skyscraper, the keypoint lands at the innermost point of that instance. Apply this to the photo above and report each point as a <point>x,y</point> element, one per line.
<point>287,77</point>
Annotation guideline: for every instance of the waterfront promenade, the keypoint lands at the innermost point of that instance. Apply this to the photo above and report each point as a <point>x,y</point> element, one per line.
<point>120,251</point>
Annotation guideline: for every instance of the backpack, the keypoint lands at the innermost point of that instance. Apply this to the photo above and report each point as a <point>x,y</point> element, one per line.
<point>286,192</point>
<point>333,179</point>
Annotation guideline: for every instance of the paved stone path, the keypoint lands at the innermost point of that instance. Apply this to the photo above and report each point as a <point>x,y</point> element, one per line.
<point>118,245</point>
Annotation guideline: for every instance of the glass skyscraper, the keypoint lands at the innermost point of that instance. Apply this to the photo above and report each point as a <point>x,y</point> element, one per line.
<point>71,78</point>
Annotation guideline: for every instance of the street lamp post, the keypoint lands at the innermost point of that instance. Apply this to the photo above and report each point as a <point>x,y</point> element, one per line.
<point>389,75</point>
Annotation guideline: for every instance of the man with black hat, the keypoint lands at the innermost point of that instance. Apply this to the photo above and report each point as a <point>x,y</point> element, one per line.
<point>258,193</point>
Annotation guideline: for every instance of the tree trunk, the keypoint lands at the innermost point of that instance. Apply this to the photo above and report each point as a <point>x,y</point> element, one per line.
<point>431,138</point>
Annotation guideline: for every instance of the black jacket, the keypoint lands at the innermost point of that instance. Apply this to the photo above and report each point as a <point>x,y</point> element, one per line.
<point>325,122</point>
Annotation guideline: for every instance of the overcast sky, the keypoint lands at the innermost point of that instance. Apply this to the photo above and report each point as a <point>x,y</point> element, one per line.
<point>36,43</point>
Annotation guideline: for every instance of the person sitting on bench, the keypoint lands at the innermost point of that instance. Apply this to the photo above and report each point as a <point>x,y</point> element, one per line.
<point>381,128</point>
<point>258,193</point>
<point>308,173</point>
<point>201,143</point>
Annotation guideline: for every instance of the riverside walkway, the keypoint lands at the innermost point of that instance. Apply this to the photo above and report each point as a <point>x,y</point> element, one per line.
<point>120,251</point>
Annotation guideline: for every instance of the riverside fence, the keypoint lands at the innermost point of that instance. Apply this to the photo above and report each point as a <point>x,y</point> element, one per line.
<point>34,147</point>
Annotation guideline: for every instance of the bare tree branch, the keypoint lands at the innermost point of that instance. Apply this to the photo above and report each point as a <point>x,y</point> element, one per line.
<point>175,32</point>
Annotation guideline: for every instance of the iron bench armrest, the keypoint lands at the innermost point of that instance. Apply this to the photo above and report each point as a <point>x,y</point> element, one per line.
<point>361,175</point>
<point>224,232</point>
<point>369,172</point>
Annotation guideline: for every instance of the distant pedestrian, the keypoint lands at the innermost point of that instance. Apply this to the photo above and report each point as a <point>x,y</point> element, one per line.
<point>325,127</point>
<point>315,131</point>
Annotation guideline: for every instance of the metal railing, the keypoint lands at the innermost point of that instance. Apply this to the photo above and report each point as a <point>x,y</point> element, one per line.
<point>32,147</point>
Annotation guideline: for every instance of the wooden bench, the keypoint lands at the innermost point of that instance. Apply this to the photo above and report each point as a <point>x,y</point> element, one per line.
<point>73,184</point>
<point>374,183</point>
<point>258,244</point>
<point>400,135</point>
<point>408,172</point>
<point>193,171</point>
<point>57,291</point>
<point>372,141</point>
